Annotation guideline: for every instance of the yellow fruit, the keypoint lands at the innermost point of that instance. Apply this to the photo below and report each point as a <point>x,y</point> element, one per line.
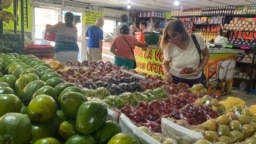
<point>123,138</point>
<point>67,129</point>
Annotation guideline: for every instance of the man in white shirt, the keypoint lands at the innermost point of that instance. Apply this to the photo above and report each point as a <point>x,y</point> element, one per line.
<point>124,20</point>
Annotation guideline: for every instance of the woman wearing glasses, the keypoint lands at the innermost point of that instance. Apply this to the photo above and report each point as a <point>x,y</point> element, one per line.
<point>181,54</point>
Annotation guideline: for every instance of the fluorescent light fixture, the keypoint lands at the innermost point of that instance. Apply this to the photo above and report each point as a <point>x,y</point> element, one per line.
<point>129,6</point>
<point>176,3</point>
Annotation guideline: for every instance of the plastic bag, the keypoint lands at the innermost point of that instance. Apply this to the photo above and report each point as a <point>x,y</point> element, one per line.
<point>50,36</point>
<point>221,40</point>
<point>180,133</point>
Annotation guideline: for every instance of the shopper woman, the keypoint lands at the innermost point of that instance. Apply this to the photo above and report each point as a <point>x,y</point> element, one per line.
<point>66,48</point>
<point>123,46</point>
<point>180,51</point>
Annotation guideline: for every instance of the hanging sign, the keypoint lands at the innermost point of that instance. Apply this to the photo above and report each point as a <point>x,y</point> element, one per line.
<point>91,17</point>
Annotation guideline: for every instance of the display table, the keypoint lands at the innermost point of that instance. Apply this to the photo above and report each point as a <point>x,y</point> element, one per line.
<point>219,70</point>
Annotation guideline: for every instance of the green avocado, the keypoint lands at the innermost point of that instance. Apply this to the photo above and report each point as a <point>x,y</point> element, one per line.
<point>90,117</point>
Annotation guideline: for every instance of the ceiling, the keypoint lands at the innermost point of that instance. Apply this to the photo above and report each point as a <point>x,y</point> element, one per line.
<point>162,5</point>
<point>145,5</point>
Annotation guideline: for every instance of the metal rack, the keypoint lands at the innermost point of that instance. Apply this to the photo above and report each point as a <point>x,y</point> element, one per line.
<point>252,48</point>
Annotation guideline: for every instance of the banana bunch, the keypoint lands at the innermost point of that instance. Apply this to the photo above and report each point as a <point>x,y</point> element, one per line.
<point>7,16</point>
<point>6,4</point>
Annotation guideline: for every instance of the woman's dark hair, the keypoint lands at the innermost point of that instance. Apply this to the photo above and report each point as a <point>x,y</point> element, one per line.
<point>124,29</point>
<point>143,23</point>
<point>124,18</point>
<point>69,18</point>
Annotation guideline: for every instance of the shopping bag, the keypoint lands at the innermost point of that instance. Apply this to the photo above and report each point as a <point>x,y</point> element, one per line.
<point>50,36</point>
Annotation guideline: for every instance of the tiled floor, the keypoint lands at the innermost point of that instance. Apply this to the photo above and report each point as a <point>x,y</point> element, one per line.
<point>250,99</point>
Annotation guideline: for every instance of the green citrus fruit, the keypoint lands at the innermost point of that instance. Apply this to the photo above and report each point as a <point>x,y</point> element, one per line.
<point>42,108</point>
<point>123,138</point>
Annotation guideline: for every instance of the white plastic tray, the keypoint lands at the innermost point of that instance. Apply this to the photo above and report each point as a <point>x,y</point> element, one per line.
<point>113,115</point>
<point>126,124</point>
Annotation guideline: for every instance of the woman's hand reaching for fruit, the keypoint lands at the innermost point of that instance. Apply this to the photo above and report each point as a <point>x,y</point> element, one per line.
<point>168,77</point>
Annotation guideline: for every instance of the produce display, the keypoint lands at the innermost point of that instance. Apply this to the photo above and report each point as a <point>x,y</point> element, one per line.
<point>119,101</point>
<point>69,104</point>
<point>157,136</point>
<point>178,107</point>
<point>37,106</point>
<point>93,75</point>
<point>235,126</point>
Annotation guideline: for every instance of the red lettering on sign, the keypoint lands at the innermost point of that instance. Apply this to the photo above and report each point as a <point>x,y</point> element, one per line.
<point>141,65</point>
<point>155,67</point>
<point>159,55</point>
<point>148,54</point>
<point>138,52</point>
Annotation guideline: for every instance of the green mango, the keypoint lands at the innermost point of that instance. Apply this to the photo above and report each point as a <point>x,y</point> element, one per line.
<point>90,117</point>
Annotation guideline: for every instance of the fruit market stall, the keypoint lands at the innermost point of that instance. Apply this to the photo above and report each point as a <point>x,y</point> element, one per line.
<point>84,100</point>
<point>219,70</point>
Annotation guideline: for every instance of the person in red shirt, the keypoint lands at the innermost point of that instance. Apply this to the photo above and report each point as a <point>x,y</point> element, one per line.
<point>122,47</point>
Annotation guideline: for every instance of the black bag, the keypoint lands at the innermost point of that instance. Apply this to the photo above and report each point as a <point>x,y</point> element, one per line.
<point>134,61</point>
<point>203,77</point>
<point>134,64</point>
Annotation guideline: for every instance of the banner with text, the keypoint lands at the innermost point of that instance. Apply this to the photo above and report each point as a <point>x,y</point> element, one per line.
<point>91,17</point>
<point>149,61</point>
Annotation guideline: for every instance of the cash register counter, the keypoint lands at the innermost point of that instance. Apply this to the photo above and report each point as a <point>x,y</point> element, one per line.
<point>219,71</point>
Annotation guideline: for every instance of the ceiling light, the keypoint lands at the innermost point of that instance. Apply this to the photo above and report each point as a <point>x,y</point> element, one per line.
<point>176,3</point>
<point>129,6</point>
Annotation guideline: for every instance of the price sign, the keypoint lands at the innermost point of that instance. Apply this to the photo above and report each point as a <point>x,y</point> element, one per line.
<point>91,17</point>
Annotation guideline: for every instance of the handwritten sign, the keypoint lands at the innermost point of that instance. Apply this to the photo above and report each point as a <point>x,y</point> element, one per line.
<point>149,61</point>
<point>91,17</point>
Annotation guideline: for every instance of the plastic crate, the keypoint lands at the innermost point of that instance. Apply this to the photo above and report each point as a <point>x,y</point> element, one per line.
<point>41,51</point>
<point>152,37</point>
<point>252,91</point>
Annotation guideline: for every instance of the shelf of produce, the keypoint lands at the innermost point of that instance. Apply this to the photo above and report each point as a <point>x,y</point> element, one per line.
<point>206,24</point>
